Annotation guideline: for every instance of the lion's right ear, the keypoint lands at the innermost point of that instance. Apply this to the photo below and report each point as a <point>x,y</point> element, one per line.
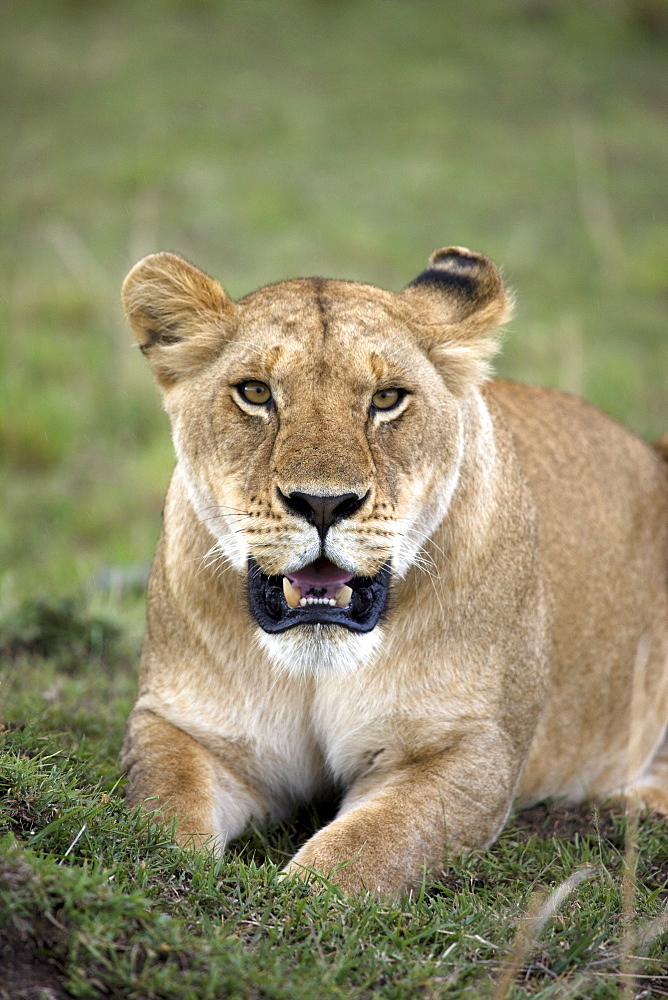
<point>460,301</point>
<point>180,316</point>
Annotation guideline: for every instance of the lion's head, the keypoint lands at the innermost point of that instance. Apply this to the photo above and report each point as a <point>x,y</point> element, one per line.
<point>318,427</point>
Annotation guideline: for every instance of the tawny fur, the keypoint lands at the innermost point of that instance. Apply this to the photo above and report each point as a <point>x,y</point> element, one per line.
<point>525,652</point>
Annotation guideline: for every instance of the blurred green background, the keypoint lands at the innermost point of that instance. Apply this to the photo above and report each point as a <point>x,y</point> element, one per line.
<point>273,138</point>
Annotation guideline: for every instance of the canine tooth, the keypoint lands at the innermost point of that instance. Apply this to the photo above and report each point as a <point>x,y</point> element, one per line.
<point>343,596</point>
<point>290,593</point>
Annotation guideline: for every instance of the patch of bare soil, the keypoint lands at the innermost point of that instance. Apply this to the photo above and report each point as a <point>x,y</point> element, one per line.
<point>564,822</point>
<point>25,979</point>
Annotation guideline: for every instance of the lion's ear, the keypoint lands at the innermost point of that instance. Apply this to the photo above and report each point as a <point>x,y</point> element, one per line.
<point>460,302</point>
<point>179,315</point>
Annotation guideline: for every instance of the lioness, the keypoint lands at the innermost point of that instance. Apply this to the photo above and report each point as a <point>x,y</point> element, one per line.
<point>385,576</point>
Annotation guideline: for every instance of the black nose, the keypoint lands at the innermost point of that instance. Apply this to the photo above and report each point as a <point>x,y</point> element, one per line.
<point>323,511</point>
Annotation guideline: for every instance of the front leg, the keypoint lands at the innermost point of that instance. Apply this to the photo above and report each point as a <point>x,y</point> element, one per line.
<point>394,824</point>
<point>173,773</point>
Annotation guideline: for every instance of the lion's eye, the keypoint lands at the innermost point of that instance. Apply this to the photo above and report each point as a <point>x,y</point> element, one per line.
<point>255,392</point>
<point>385,399</point>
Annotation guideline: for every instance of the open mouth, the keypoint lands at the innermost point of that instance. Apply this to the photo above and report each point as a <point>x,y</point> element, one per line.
<point>318,594</point>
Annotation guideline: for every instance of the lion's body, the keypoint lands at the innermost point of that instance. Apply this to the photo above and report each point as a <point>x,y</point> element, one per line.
<point>524,649</point>
<point>601,500</point>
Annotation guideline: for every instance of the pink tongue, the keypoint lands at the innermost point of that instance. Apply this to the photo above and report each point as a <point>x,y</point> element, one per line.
<point>322,574</point>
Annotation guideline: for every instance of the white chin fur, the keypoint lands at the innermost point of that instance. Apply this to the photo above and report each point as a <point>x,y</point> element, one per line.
<point>313,650</point>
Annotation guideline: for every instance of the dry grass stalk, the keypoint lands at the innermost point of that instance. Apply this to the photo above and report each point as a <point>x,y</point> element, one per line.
<point>542,907</point>
<point>633,807</point>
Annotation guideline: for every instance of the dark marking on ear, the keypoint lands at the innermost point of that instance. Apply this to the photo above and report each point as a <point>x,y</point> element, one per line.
<point>463,284</point>
<point>165,337</point>
<point>457,259</point>
<point>463,290</point>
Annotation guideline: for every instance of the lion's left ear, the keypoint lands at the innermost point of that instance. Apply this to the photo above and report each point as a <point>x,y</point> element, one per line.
<point>460,302</point>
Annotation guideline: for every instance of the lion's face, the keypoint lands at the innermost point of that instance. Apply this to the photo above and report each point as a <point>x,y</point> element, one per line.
<point>318,428</point>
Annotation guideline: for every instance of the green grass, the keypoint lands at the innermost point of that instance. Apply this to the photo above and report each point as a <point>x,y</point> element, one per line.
<point>97,901</point>
<point>266,139</point>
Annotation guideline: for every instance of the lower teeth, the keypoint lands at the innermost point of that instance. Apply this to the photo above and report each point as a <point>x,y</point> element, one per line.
<point>293,599</point>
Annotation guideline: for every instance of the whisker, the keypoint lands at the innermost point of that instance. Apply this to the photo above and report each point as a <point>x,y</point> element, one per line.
<point>220,569</point>
<point>216,517</point>
<point>429,541</point>
<point>214,558</point>
<point>427,565</point>
<point>210,564</point>
<point>437,596</point>
<point>221,507</point>
<point>423,534</point>
<point>422,554</point>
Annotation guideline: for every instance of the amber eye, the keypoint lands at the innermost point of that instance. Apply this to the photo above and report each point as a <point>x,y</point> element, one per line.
<point>385,399</point>
<point>255,392</point>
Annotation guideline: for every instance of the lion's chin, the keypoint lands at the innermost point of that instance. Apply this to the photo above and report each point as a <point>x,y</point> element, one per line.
<point>312,650</point>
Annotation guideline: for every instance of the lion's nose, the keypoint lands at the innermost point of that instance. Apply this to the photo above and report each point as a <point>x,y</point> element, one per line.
<point>322,511</point>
